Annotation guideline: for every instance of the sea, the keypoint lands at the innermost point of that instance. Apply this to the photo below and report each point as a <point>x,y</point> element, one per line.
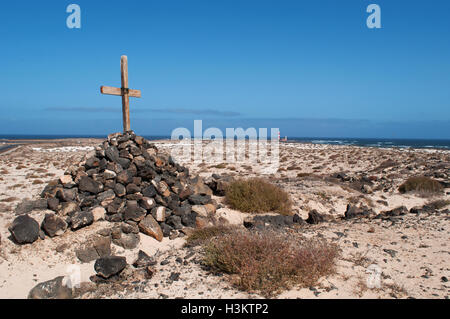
<point>365,142</point>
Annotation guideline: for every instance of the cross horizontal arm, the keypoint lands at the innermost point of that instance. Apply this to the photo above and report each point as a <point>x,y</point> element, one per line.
<point>118,91</point>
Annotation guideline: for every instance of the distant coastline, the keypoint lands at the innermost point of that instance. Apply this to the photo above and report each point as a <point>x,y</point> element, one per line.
<point>8,141</point>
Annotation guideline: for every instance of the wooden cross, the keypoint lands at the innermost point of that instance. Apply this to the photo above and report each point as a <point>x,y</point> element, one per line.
<point>124,91</point>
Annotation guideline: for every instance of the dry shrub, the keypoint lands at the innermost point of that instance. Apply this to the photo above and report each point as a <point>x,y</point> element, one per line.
<point>386,164</point>
<point>438,204</point>
<point>201,235</point>
<point>334,157</point>
<point>15,186</point>
<point>258,196</point>
<point>268,263</point>
<point>37,182</point>
<point>9,199</point>
<point>301,175</point>
<point>219,166</point>
<point>421,184</point>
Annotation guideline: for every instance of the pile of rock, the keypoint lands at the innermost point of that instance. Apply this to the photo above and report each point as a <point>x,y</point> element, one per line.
<point>126,181</point>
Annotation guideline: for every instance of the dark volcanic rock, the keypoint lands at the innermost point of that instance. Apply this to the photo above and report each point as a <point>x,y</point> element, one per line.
<point>27,206</point>
<point>107,195</point>
<point>199,199</point>
<point>314,217</point>
<point>399,211</point>
<point>92,162</point>
<point>149,191</point>
<point>351,211</point>
<point>127,240</point>
<point>95,247</point>
<point>53,225</point>
<point>109,266</point>
<point>120,190</point>
<point>356,212</point>
<point>124,162</point>
<point>297,219</point>
<point>81,219</point>
<point>112,153</point>
<point>132,188</point>
<point>24,229</point>
<point>189,220</point>
<point>53,203</point>
<point>133,211</point>
<point>147,203</point>
<point>274,221</point>
<point>124,177</point>
<point>144,260</point>
<point>174,221</point>
<point>87,184</point>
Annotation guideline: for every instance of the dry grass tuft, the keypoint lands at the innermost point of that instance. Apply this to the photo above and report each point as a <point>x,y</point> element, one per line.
<point>268,263</point>
<point>421,184</point>
<point>258,196</point>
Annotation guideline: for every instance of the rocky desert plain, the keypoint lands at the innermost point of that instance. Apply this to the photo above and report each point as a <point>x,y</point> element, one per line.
<point>347,195</point>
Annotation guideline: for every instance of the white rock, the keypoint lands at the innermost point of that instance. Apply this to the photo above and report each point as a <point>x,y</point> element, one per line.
<point>200,210</point>
<point>66,180</point>
<point>109,174</point>
<point>161,214</point>
<point>99,213</point>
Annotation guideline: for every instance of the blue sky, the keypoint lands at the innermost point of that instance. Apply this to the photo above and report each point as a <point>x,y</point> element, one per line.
<point>311,68</point>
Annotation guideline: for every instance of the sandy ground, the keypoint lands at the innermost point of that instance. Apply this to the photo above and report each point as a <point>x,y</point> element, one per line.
<point>415,265</point>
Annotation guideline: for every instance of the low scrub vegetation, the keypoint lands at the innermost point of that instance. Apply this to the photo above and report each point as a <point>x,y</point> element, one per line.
<point>267,262</point>
<point>300,175</point>
<point>201,235</point>
<point>256,195</point>
<point>9,199</point>
<point>220,166</point>
<point>439,204</point>
<point>421,184</point>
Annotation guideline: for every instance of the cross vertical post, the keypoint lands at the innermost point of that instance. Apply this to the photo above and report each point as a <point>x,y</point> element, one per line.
<point>125,94</point>
<point>124,91</point>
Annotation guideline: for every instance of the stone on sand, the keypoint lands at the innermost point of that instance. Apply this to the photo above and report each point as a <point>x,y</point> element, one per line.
<point>52,289</point>
<point>24,229</point>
